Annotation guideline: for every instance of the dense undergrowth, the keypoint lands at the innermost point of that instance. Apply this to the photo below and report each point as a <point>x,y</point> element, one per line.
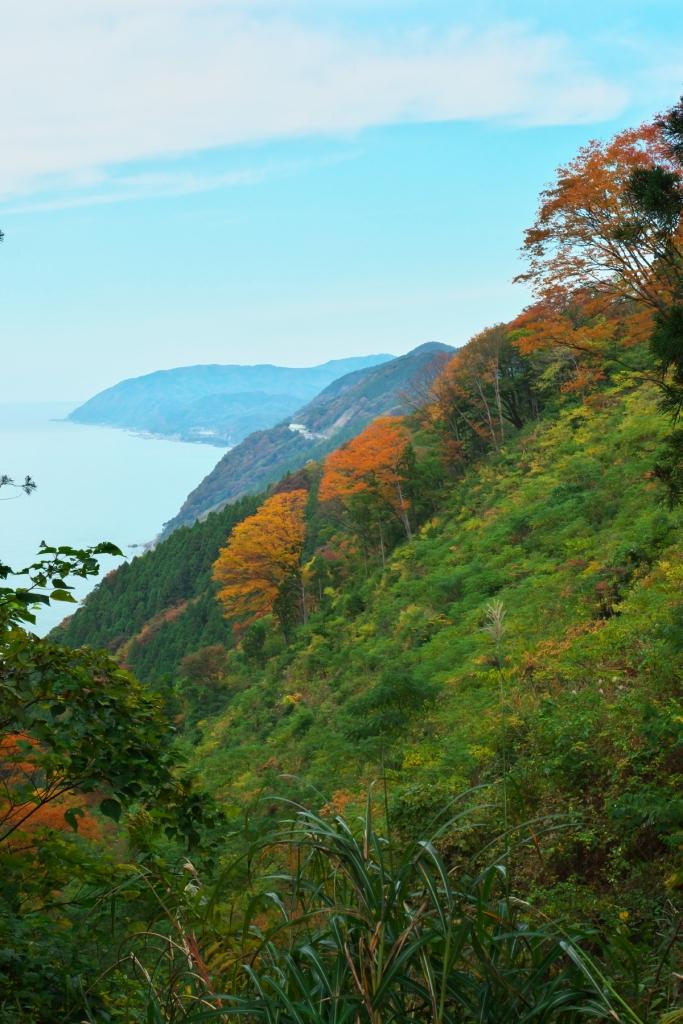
<point>397,676</point>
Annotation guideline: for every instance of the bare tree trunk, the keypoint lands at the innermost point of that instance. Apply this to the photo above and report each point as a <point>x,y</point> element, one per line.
<point>488,413</point>
<point>304,610</point>
<point>403,513</point>
<point>499,404</point>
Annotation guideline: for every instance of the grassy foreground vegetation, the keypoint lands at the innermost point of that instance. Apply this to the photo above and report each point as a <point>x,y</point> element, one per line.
<point>417,750</point>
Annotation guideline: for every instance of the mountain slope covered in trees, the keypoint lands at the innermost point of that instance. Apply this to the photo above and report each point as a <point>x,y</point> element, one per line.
<point>217,404</point>
<point>166,595</point>
<point>341,410</point>
<point>395,673</point>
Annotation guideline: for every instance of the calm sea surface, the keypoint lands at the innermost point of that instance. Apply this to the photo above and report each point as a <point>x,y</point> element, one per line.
<point>94,483</point>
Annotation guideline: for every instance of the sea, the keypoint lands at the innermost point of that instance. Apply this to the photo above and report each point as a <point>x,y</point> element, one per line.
<point>93,484</point>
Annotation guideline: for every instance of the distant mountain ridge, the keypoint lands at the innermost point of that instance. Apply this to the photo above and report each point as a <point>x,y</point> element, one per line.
<point>213,403</point>
<point>338,413</point>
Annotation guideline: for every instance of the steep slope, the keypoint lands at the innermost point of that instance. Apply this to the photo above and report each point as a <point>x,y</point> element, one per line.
<point>563,526</point>
<point>394,675</point>
<point>336,414</point>
<point>166,591</point>
<point>216,404</point>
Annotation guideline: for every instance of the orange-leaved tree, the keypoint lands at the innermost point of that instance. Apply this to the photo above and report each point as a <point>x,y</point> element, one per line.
<point>371,466</point>
<point>579,338</point>
<point>594,256</point>
<point>611,227</point>
<point>591,232</point>
<point>487,388</point>
<point>259,569</point>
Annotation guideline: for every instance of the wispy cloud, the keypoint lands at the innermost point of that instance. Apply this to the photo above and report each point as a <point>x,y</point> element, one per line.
<point>91,84</point>
<point>99,189</point>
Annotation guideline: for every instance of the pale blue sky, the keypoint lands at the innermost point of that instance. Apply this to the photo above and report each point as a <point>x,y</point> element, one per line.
<point>258,181</point>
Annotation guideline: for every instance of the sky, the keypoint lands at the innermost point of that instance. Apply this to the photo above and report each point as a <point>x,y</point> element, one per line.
<point>289,181</point>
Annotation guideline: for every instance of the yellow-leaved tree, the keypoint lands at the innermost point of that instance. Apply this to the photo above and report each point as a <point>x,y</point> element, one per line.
<point>259,569</point>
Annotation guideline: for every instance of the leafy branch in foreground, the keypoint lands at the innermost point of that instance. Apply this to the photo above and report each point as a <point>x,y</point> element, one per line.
<point>82,745</point>
<point>47,579</point>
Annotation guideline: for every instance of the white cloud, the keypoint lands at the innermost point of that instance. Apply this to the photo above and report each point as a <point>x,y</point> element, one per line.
<point>98,189</point>
<point>89,84</point>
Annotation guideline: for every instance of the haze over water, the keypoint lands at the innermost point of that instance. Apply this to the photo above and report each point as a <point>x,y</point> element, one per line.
<point>94,484</point>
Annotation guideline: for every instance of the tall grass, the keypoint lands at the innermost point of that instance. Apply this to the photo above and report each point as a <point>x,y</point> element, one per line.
<point>346,929</point>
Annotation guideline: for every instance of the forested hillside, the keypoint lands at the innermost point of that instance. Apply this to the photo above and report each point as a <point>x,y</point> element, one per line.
<point>561,535</point>
<point>341,410</point>
<point>426,765</point>
<point>394,671</point>
<point>161,605</point>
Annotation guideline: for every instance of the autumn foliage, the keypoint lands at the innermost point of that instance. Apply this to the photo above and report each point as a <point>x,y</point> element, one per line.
<point>591,231</point>
<point>605,261</point>
<point>611,230</point>
<point>484,391</point>
<point>605,252</point>
<point>370,465</point>
<point>262,559</point>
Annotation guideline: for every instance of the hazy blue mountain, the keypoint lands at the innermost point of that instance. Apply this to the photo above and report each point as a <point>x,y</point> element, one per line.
<point>338,413</point>
<point>215,404</point>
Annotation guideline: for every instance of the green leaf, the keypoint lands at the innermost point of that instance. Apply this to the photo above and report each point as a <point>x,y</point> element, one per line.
<point>107,548</point>
<point>62,595</point>
<point>72,815</point>
<point>111,809</point>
